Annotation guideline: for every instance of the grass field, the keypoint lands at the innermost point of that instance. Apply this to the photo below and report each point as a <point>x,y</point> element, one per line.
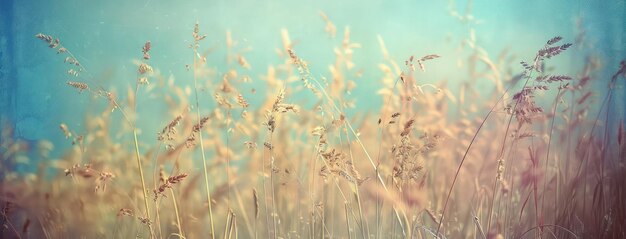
<point>539,154</point>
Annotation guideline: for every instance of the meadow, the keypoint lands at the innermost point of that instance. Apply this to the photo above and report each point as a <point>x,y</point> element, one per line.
<point>536,154</point>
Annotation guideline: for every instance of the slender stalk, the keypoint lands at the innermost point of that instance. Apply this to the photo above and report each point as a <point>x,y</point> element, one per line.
<point>246,219</point>
<point>143,181</point>
<point>358,140</point>
<point>458,170</point>
<point>502,149</point>
<point>274,210</point>
<point>267,214</point>
<point>313,169</point>
<point>585,159</point>
<point>154,182</point>
<point>341,193</point>
<point>379,208</point>
<point>479,228</point>
<point>364,227</point>
<point>492,202</point>
<point>556,104</point>
<point>159,229</point>
<point>228,177</point>
<point>235,229</point>
<point>348,221</point>
<point>369,158</point>
<point>112,100</point>
<point>178,224</point>
<point>17,234</point>
<point>206,174</point>
<point>197,38</point>
<point>548,225</point>
<point>227,226</point>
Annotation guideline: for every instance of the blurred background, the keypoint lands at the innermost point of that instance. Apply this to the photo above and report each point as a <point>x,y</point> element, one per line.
<point>107,36</point>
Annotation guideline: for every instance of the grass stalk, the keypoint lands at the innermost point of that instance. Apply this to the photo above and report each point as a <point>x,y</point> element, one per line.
<point>266,206</point>
<point>227,226</point>
<point>365,232</point>
<point>143,181</point>
<point>348,221</point>
<point>458,170</point>
<point>246,218</point>
<point>10,225</point>
<point>273,191</point>
<point>204,163</point>
<point>556,104</point>
<point>178,224</point>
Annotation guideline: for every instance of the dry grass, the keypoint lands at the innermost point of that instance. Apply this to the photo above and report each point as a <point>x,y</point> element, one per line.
<point>472,164</point>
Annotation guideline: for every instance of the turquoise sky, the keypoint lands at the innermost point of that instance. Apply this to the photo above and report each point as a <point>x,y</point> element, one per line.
<point>107,35</point>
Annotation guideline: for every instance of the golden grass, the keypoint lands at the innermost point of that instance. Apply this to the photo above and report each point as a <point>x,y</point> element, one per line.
<point>475,163</point>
